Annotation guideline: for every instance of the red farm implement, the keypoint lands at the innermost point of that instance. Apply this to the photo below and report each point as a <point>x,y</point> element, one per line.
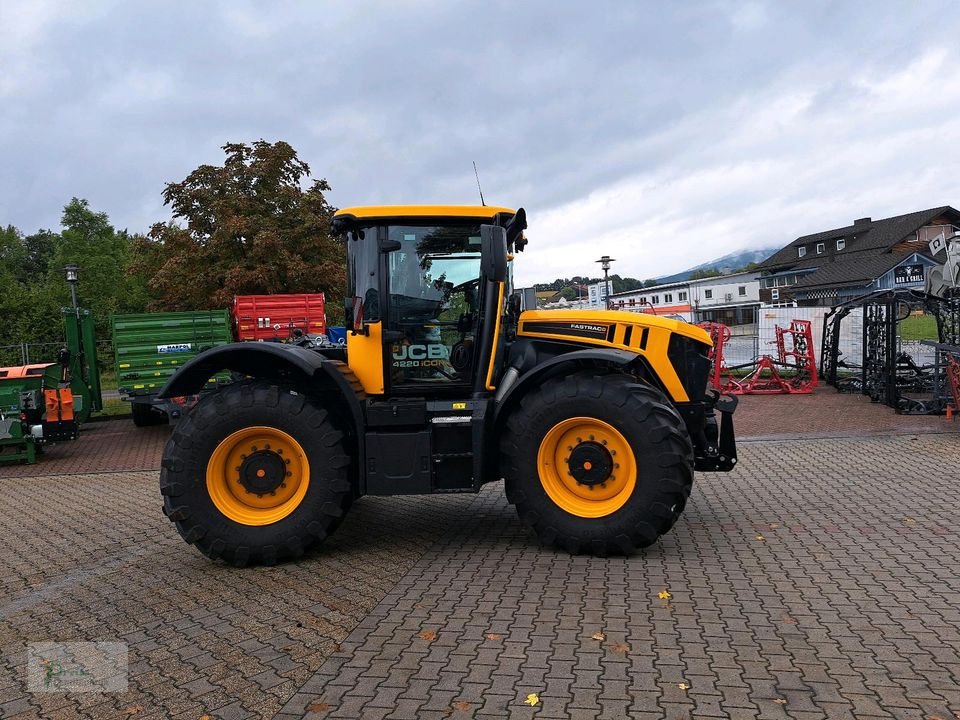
<point>792,371</point>
<point>274,318</point>
<point>953,381</point>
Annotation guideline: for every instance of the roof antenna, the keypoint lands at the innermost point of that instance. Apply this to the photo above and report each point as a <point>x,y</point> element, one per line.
<point>478,183</point>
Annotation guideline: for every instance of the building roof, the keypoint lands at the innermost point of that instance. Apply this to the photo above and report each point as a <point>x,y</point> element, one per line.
<point>719,279</point>
<point>866,255</point>
<point>860,270</point>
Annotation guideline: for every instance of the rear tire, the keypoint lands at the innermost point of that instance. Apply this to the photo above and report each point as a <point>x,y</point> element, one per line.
<point>572,425</point>
<point>260,431</point>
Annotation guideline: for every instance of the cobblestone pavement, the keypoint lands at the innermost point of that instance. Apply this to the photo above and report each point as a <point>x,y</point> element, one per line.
<point>91,557</point>
<point>107,446</point>
<point>819,580</point>
<point>827,413</point>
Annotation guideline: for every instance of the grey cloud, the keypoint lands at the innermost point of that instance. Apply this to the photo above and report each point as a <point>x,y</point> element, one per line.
<point>392,101</point>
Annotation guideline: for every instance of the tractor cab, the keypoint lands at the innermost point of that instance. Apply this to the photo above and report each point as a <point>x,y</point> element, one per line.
<point>426,288</point>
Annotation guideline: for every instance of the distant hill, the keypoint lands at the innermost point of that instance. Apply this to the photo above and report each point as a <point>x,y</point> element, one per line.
<point>576,285</point>
<point>726,264</point>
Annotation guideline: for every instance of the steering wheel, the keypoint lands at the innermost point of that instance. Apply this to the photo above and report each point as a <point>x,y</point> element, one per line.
<point>463,286</point>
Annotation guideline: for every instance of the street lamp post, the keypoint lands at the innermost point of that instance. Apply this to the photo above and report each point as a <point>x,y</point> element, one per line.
<point>605,264</point>
<point>72,277</point>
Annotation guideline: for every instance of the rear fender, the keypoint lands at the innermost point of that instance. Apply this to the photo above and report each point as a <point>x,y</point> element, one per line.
<point>272,361</point>
<point>301,369</point>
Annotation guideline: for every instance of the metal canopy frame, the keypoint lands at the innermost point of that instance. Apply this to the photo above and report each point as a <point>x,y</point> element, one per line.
<point>883,372</point>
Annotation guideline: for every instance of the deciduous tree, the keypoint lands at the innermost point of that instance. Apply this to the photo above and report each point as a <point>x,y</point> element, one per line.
<point>248,226</point>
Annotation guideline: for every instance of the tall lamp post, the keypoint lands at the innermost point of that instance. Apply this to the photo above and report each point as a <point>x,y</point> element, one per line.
<point>72,277</point>
<point>605,264</point>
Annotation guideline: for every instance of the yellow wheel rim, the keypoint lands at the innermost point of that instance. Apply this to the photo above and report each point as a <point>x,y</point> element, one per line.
<point>598,453</point>
<point>258,475</point>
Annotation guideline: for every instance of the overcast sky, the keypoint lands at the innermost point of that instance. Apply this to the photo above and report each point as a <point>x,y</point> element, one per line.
<point>662,134</point>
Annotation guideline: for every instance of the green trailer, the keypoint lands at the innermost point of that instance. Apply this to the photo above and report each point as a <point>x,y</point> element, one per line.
<point>150,347</point>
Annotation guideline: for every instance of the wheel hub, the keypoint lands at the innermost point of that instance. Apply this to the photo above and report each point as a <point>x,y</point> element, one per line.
<point>262,472</point>
<point>590,464</point>
<point>587,467</point>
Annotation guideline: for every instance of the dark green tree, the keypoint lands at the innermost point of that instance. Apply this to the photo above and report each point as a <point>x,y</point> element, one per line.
<point>12,300</point>
<point>622,284</point>
<point>104,255</point>
<point>13,254</point>
<point>619,284</point>
<point>31,273</point>
<point>40,247</point>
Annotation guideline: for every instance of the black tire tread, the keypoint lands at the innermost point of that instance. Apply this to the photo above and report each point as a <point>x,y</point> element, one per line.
<point>642,406</point>
<point>183,473</point>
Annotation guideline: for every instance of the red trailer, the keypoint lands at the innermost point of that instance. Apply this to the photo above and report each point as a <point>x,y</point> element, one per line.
<point>273,318</point>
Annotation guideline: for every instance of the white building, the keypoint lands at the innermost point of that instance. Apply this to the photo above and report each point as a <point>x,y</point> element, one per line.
<point>597,294</point>
<point>730,299</point>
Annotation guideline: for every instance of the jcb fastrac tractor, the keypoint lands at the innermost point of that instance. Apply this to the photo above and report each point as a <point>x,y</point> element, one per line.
<point>595,420</point>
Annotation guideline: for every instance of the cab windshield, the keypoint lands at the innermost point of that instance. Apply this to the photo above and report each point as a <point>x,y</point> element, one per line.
<point>431,259</point>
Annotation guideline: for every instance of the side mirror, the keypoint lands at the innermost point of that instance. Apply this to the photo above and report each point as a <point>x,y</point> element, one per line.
<point>387,245</point>
<point>493,253</point>
<point>516,226</point>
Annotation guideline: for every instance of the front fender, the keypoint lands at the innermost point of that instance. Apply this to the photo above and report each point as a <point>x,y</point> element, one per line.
<point>540,370</point>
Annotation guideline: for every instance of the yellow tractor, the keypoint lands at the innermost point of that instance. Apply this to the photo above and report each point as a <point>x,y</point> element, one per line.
<point>595,420</point>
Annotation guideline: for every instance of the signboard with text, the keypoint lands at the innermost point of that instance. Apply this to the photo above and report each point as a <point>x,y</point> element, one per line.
<point>908,274</point>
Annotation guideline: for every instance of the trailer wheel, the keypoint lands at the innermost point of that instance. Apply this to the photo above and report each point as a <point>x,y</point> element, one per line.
<point>597,463</point>
<point>255,474</point>
<point>145,416</point>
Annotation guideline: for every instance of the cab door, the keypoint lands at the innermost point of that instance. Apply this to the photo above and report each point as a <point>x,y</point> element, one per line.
<point>433,279</point>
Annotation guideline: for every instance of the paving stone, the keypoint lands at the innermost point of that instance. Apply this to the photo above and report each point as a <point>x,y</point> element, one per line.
<point>847,608</point>
<point>239,639</point>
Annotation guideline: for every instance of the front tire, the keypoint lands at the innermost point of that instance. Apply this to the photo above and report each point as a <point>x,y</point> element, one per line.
<point>255,474</point>
<point>597,463</point>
